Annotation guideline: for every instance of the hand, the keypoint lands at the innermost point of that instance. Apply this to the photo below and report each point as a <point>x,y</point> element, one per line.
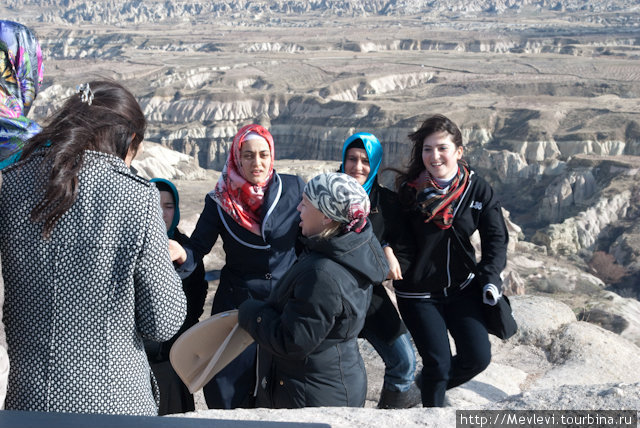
<point>490,294</point>
<point>394,265</point>
<point>177,253</point>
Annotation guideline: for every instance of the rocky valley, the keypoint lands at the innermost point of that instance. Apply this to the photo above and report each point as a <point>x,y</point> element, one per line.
<point>547,94</point>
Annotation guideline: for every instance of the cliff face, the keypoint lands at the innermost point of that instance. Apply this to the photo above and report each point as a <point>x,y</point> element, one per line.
<point>596,200</point>
<point>547,94</point>
<point>530,99</point>
<point>75,11</point>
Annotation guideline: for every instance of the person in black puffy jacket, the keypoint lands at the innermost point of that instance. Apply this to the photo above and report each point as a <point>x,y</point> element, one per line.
<point>444,288</point>
<point>307,329</point>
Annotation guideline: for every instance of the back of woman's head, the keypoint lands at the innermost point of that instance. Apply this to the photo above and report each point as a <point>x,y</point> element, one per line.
<point>102,116</point>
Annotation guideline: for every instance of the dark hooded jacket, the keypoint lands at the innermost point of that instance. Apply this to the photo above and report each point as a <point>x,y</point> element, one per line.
<point>307,329</point>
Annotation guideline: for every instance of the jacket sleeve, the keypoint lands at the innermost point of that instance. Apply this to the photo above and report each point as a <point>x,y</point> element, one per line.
<point>159,300</point>
<point>202,239</point>
<point>397,231</point>
<point>299,246</point>
<point>303,324</point>
<point>494,239</point>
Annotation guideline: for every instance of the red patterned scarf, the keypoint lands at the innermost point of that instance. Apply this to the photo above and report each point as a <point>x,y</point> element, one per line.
<point>437,203</point>
<point>238,197</point>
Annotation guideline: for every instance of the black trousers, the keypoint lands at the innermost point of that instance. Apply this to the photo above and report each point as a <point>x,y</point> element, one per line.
<point>174,395</point>
<point>428,321</point>
<point>233,387</point>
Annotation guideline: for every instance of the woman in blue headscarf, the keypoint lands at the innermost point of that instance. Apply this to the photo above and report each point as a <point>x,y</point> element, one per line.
<point>361,159</point>
<point>21,72</point>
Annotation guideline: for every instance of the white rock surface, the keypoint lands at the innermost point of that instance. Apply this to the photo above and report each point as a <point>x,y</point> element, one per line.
<point>154,160</point>
<point>554,362</point>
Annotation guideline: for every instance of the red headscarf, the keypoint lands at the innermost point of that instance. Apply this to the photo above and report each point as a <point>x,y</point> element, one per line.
<point>237,196</point>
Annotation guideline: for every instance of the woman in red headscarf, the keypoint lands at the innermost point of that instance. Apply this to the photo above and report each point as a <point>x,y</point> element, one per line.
<point>253,210</point>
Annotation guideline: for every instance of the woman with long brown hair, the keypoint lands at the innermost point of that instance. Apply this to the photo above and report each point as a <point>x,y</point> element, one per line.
<point>444,288</point>
<point>85,261</point>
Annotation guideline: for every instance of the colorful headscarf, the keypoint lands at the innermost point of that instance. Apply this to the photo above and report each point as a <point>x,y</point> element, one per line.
<point>238,197</point>
<point>374,152</point>
<point>21,74</point>
<point>341,198</point>
<point>165,185</point>
<point>437,203</point>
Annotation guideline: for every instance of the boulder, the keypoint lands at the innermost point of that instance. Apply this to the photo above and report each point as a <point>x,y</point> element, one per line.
<point>538,317</point>
<point>584,353</point>
<point>154,160</point>
<point>615,313</point>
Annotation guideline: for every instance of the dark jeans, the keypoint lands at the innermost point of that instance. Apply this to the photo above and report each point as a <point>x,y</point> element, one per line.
<point>428,321</point>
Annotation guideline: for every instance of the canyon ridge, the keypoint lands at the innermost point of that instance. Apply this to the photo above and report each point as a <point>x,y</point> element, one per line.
<point>547,94</point>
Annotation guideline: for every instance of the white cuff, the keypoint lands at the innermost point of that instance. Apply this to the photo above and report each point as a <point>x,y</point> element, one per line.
<point>490,294</point>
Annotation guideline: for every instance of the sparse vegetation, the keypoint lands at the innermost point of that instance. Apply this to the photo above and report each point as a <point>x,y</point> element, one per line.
<point>604,266</point>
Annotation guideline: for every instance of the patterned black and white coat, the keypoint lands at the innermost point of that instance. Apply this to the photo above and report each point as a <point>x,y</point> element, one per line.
<point>77,305</point>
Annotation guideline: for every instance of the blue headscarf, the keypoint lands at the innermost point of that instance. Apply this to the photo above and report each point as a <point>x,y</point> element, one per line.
<point>21,73</point>
<point>176,200</point>
<point>374,152</point>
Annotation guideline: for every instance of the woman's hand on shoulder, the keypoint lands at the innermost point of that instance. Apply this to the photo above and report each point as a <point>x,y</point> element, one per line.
<point>177,253</point>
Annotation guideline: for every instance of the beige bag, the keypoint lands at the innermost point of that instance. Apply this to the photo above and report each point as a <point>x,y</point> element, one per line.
<point>207,347</point>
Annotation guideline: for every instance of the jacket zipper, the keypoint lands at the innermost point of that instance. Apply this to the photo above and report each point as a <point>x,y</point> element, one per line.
<point>272,207</point>
<point>464,195</point>
<point>264,221</point>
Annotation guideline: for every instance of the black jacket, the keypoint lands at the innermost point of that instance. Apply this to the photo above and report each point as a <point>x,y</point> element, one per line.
<point>253,264</point>
<point>307,330</point>
<point>382,317</point>
<point>439,261</point>
<point>195,289</point>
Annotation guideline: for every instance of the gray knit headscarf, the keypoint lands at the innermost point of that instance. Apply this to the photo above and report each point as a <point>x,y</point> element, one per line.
<point>341,198</point>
